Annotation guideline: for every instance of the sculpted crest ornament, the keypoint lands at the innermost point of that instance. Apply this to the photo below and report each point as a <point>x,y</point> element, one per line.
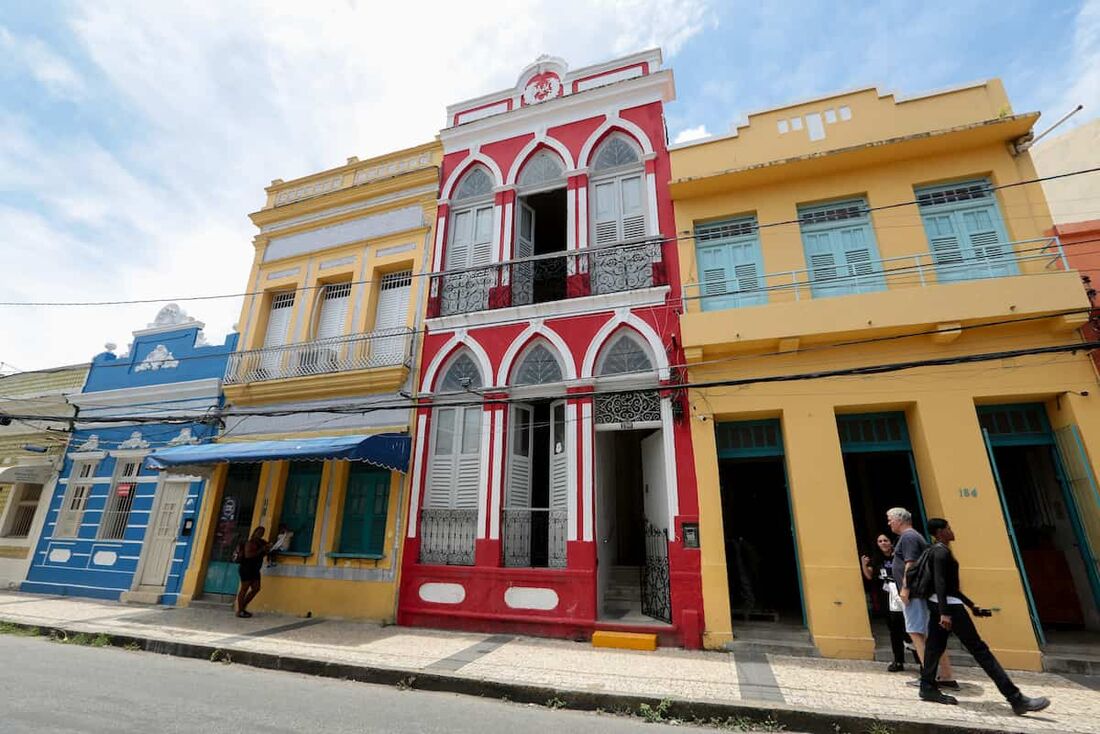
<point>542,87</point>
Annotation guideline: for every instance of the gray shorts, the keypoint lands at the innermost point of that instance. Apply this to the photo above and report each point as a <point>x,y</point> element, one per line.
<point>916,617</point>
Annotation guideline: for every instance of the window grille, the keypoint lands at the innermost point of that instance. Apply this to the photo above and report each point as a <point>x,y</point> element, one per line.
<point>24,507</point>
<point>952,194</point>
<point>615,152</point>
<point>462,375</point>
<point>116,516</point>
<point>543,168</point>
<point>474,184</point>
<point>538,367</point>
<point>625,356</point>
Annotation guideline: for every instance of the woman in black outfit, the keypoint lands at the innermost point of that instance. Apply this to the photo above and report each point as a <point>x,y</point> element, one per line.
<point>882,573</point>
<point>251,559</point>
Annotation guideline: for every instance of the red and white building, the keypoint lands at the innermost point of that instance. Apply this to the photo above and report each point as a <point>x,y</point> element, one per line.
<point>553,481</point>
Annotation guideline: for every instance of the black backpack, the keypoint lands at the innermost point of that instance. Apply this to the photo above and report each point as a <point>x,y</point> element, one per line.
<point>918,577</point>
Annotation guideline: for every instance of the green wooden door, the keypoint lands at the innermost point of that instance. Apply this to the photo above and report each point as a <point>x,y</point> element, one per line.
<point>366,504</point>
<point>303,484</point>
<point>234,521</point>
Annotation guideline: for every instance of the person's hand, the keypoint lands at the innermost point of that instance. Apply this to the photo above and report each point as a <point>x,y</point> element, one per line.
<point>945,621</point>
<point>866,561</point>
<point>904,594</point>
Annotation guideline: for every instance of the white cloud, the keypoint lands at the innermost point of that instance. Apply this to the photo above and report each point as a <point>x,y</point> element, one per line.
<point>214,101</point>
<point>692,133</point>
<point>45,66</point>
<point>1083,67</point>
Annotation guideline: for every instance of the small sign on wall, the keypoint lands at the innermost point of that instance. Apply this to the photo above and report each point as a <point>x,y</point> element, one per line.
<point>691,534</point>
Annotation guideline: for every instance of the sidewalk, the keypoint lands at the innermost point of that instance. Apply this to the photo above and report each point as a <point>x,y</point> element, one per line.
<point>804,694</point>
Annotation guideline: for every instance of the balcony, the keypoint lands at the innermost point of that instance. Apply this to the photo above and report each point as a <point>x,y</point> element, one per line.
<point>547,278</point>
<point>885,296</point>
<point>372,361</point>
<point>447,536</point>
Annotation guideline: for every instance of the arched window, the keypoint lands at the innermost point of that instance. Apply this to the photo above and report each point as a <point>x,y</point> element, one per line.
<point>625,355</point>
<point>618,192</point>
<point>462,375</point>
<point>543,168</point>
<point>538,367</point>
<point>476,183</point>
<point>449,522</point>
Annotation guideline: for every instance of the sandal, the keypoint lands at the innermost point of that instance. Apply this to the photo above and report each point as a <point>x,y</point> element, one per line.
<point>244,615</point>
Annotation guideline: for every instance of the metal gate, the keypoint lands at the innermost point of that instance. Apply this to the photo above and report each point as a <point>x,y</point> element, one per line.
<point>656,594</point>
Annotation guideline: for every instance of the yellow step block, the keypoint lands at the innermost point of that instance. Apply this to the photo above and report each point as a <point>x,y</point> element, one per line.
<point>624,640</point>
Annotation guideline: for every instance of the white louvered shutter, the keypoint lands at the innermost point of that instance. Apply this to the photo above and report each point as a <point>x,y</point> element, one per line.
<point>559,464</point>
<point>633,207</point>
<point>391,313</point>
<point>334,310</point>
<point>481,252</point>
<point>519,458</point>
<point>442,470</point>
<point>606,213</point>
<point>458,249</point>
<point>278,322</point>
<point>525,231</point>
<point>468,466</point>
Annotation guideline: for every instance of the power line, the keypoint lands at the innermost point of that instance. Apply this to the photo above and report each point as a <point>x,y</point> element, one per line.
<point>675,239</point>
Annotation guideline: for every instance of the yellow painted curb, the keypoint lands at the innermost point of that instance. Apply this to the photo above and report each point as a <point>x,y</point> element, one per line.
<point>624,640</point>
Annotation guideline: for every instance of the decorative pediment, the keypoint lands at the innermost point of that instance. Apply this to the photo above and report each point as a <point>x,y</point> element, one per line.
<point>135,441</point>
<point>158,359</point>
<point>92,444</point>
<point>171,315</point>
<point>184,438</point>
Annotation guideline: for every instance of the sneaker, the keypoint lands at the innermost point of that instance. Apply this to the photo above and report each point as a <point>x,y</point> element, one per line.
<point>934,695</point>
<point>952,684</point>
<point>895,667</point>
<point>1025,704</point>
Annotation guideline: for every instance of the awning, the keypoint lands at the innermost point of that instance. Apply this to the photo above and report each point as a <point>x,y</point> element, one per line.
<point>387,450</point>
<point>29,473</point>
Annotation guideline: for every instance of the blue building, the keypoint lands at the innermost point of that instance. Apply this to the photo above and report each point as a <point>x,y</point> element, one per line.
<point>117,529</point>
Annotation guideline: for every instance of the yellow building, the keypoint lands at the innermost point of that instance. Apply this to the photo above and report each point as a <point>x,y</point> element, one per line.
<point>328,343</point>
<point>859,234</point>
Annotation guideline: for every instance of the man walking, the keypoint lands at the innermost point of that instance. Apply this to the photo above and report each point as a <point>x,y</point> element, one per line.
<point>948,607</point>
<point>907,550</point>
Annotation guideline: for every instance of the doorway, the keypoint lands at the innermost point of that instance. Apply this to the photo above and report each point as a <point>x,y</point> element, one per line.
<point>535,514</point>
<point>632,526</point>
<point>1048,530</point>
<point>762,567</point>
<point>231,527</point>
<point>160,538</point>
<point>541,225</point>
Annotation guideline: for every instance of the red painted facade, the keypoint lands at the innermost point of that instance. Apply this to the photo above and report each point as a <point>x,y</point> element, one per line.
<point>1081,243</point>
<point>571,125</point>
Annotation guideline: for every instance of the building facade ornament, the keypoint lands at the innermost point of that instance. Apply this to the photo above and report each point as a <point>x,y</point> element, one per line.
<point>135,441</point>
<point>158,359</point>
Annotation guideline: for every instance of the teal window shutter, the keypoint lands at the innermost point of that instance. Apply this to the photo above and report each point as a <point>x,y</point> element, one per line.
<point>841,255</point>
<point>730,264</point>
<point>303,483</point>
<point>366,508</point>
<point>965,230</point>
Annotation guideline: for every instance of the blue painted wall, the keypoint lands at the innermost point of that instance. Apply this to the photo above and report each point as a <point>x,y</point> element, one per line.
<point>85,565</point>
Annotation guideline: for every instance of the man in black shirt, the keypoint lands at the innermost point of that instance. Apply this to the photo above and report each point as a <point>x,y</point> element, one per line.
<point>948,609</point>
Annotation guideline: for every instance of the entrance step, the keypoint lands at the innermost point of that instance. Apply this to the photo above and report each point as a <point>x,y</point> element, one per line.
<point>624,640</point>
<point>772,638</point>
<point>141,596</point>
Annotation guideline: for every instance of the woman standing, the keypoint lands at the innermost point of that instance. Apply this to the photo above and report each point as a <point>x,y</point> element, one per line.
<point>251,557</point>
<point>882,573</point>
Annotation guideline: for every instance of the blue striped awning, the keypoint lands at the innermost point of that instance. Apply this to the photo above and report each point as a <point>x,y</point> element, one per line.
<point>387,450</point>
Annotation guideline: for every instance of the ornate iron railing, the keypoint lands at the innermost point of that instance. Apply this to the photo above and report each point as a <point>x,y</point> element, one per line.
<point>641,406</point>
<point>535,537</point>
<point>543,278</point>
<point>447,536</point>
<point>384,348</point>
<point>656,592</point>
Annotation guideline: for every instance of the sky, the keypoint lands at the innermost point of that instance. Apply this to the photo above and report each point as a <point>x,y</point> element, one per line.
<point>136,137</point>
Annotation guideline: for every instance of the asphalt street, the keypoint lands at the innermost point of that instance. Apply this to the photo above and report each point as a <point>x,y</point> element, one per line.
<point>49,688</point>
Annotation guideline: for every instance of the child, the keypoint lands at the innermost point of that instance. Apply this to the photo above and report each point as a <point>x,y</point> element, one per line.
<point>282,542</point>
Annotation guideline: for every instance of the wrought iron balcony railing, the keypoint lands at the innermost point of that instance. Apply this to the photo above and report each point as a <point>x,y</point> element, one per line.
<point>384,348</point>
<point>553,277</point>
<point>535,537</point>
<point>447,536</point>
<point>745,287</point>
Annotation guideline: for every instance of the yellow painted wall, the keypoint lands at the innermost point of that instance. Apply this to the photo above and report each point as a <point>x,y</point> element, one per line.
<point>715,180</point>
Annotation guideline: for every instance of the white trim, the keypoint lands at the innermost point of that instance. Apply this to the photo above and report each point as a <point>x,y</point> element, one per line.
<point>86,456</point>
<point>129,454</point>
<point>483,473</point>
<point>652,226</point>
<point>313,217</point>
<point>497,472</point>
<point>535,329</point>
<point>624,317</point>
<point>586,469</point>
<point>612,122</point>
<point>570,219</point>
<point>469,162</point>
<point>582,215</point>
<point>552,309</point>
<point>508,229</point>
<point>174,392</point>
<point>571,467</point>
<point>672,494</point>
<point>458,339</point>
<point>541,139</point>
<point>418,462</point>
<point>498,233</point>
<point>440,227</point>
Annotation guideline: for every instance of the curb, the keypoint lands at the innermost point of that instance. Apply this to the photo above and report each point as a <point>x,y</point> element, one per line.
<point>747,714</point>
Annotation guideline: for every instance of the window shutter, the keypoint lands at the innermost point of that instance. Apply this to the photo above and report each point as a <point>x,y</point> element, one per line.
<point>748,279</point>
<point>441,473</point>
<point>458,249</point>
<point>391,313</point>
<point>334,309</point>
<point>519,456</point>
<point>303,483</point>
<point>714,270</point>
<point>633,208</point>
<point>468,469</point>
<point>965,231</point>
<point>279,319</point>
<point>729,261</point>
<point>607,213</point>
<point>525,231</point>
<point>943,240</point>
<point>840,248</point>
<point>559,465</point>
<point>482,248</point>
<point>366,504</point>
